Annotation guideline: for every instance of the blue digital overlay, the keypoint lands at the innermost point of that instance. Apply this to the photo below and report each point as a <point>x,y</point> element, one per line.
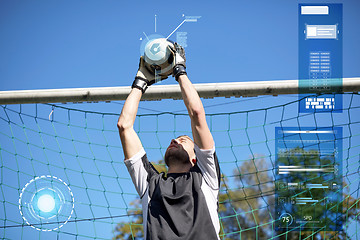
<point>308,179</point>
<point>46,203</point>
<point>320,57</point>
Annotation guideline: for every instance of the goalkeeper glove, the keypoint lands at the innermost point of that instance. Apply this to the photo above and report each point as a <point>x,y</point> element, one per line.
<point>179,61</point>
<point>145,76</point>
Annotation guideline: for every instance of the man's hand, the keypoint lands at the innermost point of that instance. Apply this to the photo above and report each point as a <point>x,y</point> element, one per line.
<point>179,61</point>
<point>145,76</point>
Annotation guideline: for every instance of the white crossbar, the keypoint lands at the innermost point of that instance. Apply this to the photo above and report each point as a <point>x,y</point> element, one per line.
<point>158,92</point>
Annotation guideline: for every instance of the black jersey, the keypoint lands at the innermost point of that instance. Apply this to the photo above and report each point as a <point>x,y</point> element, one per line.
<point>180,205</point>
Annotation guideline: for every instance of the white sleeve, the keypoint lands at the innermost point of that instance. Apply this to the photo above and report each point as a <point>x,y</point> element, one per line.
<point>207,162</point>
<point>138,172</point>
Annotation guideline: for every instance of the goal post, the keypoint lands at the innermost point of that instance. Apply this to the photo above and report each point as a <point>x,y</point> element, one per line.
<point>158,92</point>
<point>71,158</point>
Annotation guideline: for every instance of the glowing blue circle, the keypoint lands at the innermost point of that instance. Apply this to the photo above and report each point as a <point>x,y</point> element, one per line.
<point>156,50</point>
<point>146,40</point>
<point>157,55</point>
<point>46,203</point>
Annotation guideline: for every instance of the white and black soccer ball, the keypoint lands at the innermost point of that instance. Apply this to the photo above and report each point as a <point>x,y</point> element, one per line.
<point>158,56</point>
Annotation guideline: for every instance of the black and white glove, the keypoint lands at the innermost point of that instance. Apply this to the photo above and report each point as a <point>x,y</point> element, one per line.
<point>145,76</point>
<point>179,61</point>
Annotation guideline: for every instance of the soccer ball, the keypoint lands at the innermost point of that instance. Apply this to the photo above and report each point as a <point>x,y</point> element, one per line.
<point>158,56</point>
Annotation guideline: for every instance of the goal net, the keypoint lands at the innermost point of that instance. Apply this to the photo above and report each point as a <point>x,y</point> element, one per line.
<point>63,176</point>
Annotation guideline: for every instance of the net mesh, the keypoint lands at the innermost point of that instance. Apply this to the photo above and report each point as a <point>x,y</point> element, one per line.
<point>81,150</point>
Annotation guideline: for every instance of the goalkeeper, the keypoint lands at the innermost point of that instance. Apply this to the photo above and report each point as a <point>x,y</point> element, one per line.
<point>183,204</point>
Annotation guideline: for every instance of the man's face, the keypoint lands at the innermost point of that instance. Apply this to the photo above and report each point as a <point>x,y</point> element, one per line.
<point>182,148</point>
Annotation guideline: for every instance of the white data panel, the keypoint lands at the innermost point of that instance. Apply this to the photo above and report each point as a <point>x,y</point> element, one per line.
<point>314,10</point>
<point>321,31</point>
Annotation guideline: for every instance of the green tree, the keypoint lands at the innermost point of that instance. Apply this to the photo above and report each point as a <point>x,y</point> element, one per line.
<point>245,210</point>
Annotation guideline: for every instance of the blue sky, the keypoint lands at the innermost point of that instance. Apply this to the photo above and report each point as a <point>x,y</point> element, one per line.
<point>52,44</point>
<point>69,44</point>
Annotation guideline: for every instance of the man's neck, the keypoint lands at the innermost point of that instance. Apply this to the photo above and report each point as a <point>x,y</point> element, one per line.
<point>179,169</point>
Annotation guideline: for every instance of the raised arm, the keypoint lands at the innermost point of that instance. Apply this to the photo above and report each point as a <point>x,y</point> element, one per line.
<point>129,139</point>
<point>200,130</point>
